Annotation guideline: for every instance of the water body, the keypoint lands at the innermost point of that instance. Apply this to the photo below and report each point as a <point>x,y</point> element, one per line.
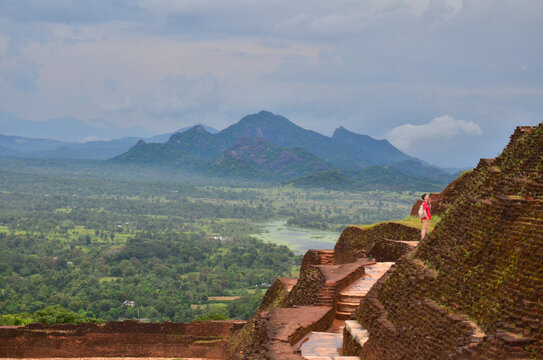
<point>297,239</point>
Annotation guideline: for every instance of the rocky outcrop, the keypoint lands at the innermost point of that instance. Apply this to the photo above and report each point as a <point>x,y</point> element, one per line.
<point>124,339</point>
<point>473,288</point>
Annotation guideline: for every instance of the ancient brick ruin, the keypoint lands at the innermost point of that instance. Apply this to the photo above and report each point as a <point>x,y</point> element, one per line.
<point>473,289</point>
<point>122,339</point>
<point>307,316</point>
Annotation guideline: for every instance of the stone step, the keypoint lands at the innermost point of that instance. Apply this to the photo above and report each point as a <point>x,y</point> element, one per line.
<point>350,298</point>
<point>327,291</point>
<point>343,315</point>
<point>356,330</point>
<point>347,306</point>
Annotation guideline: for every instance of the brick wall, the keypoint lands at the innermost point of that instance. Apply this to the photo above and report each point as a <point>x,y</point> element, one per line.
<point>127,338</point>
<point>307,288</point>
<point>356,242</point>
<point>384,250</point>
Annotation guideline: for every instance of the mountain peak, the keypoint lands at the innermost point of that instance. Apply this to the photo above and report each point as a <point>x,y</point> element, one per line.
<point>195,131</point>
<point>341,132</point>
<point>200,129</point>
<point>265,117</point>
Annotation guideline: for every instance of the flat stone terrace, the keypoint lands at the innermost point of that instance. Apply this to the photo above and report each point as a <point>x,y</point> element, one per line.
<point>334,274</point>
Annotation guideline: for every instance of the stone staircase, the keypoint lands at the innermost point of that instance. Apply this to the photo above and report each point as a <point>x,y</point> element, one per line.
<point>316,332</point>
<point>327,257</point>
<point>318,345</point>
<point>326,295</point>
<point>350,297</point>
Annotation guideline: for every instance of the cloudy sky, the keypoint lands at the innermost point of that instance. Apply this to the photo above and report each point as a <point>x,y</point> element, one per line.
<point>444,80</point>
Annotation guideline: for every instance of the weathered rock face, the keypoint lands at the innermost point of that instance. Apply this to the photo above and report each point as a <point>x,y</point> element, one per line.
<point>482,262</point>
<point>357,241</point>
<point>125,339</point>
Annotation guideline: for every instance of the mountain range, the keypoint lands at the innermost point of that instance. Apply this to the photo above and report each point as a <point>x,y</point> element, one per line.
<point>261,146</point>
<point>271,147</point>
<point>66,129</point>
<point>36,147</point>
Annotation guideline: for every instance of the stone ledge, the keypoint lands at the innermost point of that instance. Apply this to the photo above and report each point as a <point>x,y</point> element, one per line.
<point>356,330</point>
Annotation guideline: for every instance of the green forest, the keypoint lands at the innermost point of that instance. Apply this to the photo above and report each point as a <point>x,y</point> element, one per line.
<point>100,242</point>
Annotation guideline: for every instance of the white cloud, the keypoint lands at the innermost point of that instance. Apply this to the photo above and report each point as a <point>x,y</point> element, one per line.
<point>453,7</point>
<point>179,95</point>
<point>417,7</point>
<point>117,106</point>
<point>443,129</point>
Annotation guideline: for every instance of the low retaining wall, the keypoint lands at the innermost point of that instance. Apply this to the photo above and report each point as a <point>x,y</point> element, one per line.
<point>357,241</point>
<point>385,250</point>
<point>127,339</point>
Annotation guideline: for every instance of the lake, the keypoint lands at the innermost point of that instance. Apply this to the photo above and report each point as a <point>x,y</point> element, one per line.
<point>297,239</point>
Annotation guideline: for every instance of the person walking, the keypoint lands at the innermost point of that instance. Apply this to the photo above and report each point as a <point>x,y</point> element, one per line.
<point>426,215</point>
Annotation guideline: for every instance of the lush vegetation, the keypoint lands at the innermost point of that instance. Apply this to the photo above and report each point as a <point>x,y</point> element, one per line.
<point>53,314</point>
<point>92,238</point>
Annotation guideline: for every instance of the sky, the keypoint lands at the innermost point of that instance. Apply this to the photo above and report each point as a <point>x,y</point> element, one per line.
<point>444,80</point>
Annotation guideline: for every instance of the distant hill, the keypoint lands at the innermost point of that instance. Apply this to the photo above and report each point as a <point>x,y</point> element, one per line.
<point>164,137</point>
<point>259,146</point>
<point>265,145</point>
<point>20,146</point>
<point>343,150</point>
<point>65,129</point>
<point>258,158</point>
